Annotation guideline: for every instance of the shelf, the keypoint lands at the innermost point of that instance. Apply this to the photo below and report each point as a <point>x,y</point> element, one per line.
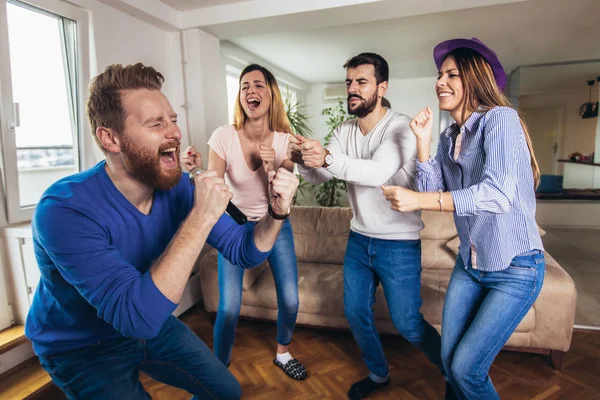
<point>580,163</point>
<point>25,381</point>
<point>11,338</point>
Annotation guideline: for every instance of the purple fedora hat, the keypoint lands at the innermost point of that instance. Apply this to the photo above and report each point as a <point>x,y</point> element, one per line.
<point>441,51</point>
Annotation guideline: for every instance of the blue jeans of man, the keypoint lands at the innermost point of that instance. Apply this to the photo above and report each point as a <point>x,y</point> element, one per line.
<point>481,311</point>
<point>397,265</point>
<point>109,370</point>
<point>285,273</point>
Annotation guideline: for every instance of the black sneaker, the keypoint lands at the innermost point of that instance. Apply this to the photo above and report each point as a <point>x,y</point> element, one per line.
<point>362,389</point>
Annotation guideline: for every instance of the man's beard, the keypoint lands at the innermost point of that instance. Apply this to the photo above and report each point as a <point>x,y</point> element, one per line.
<point>145,166</point>
<point>364,109</point>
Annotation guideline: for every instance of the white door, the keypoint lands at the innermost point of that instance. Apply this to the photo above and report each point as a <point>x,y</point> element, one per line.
<point>544,126</point>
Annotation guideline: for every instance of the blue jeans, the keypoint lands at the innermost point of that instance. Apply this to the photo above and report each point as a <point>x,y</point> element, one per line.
<point>110,369</point>
<point>397,265</point>
<point>285,272</point>
<point>481,311</point>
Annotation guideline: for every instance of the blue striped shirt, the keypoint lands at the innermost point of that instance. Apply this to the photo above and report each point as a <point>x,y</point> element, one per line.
<point>491,184</point>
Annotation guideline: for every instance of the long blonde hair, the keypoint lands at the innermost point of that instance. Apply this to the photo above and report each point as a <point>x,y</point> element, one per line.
<point>481,91</point>
<point>278,120</point>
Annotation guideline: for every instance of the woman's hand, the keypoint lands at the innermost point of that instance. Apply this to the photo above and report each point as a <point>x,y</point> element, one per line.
<point>422,124</point>
<point>190,158</point>
<point>267,154</point>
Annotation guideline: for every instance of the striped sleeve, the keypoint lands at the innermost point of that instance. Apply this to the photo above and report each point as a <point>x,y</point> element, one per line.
<point>503,135</point>
<point>430,177</point>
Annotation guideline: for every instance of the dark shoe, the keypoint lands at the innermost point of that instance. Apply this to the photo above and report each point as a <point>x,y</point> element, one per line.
<point>292,368</point>
<point>362,389</point>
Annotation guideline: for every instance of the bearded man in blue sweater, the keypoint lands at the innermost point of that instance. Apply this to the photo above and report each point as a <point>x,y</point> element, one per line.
<point>116,244</point>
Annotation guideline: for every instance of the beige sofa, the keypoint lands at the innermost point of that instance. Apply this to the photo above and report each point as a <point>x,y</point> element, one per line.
<point>320,236</point>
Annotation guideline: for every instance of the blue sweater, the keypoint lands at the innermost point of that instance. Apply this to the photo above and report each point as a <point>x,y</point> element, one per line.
<point>95,249</point>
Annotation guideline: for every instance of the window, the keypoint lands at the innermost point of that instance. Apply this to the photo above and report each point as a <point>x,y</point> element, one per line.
<point>44,65</point>
<point>287,93</point>
<point>42,109</point>
<point>232,91</point>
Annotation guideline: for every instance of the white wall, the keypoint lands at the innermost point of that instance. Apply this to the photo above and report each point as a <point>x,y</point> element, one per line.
<point>409,96</point>
<point>579,134</point>
<point>205,86</point>
<point>315,104</point>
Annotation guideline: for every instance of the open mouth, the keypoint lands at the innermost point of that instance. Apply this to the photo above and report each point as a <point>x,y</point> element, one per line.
<point>169,156</point>
<point>253,104</point>
<point>444,95</point>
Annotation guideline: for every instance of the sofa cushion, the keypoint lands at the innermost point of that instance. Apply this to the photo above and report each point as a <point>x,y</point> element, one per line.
<point>438,225</point>
<point>320,234</point>
<point>454,245</point>
<point>435,255</point>
<point>252,274</point>
<point>320,286</point>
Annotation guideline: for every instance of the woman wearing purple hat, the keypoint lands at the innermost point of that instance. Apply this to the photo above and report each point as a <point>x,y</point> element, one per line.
<point>485,173</point>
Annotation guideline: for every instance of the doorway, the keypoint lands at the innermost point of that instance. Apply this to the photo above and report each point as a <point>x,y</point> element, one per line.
<point>545,129</point>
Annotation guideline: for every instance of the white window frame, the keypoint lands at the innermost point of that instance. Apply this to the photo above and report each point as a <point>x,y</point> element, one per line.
<point>6,317</point>
<point>14,211</point>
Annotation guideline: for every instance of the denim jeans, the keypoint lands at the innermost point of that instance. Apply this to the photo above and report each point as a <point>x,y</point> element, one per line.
<point>481,311</point>
<point>285,272</point>
<point>109,370</point>
<point>397,265</point>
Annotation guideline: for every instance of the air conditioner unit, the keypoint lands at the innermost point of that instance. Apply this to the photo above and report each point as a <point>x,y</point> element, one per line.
<point>334,92</point>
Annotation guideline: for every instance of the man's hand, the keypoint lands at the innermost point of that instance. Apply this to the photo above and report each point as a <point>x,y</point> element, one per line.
<point>294,150</point>
<point>282,187</point>
<point>211,196</point>
<point>422,124</point>
<point>190,158</point>
<point>267,154</point>
<point>313,153</point>
<point>401,199</point>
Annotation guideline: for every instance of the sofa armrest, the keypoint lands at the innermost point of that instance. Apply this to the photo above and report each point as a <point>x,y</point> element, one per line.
<point>555,309</point>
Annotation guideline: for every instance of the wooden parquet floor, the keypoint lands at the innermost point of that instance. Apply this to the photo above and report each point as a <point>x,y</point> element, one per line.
<point>334,363</point>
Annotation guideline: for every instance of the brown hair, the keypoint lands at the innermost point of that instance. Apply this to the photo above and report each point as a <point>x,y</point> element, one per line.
<point>278,120</point>
<point>482,91</point>
<point>104,106</point>
<point>382,70</point>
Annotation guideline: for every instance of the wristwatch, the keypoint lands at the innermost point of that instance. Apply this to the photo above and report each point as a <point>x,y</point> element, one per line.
<point>194,172</point>
<point>328,159</point>
<point>279,216</point>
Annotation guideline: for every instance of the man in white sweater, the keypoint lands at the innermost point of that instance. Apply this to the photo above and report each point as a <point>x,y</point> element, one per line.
<point>369,152</point>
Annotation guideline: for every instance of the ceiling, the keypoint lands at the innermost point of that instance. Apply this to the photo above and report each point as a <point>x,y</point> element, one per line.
<point>524,33</point>
<point>186,5</point>
<point>311,39</point>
